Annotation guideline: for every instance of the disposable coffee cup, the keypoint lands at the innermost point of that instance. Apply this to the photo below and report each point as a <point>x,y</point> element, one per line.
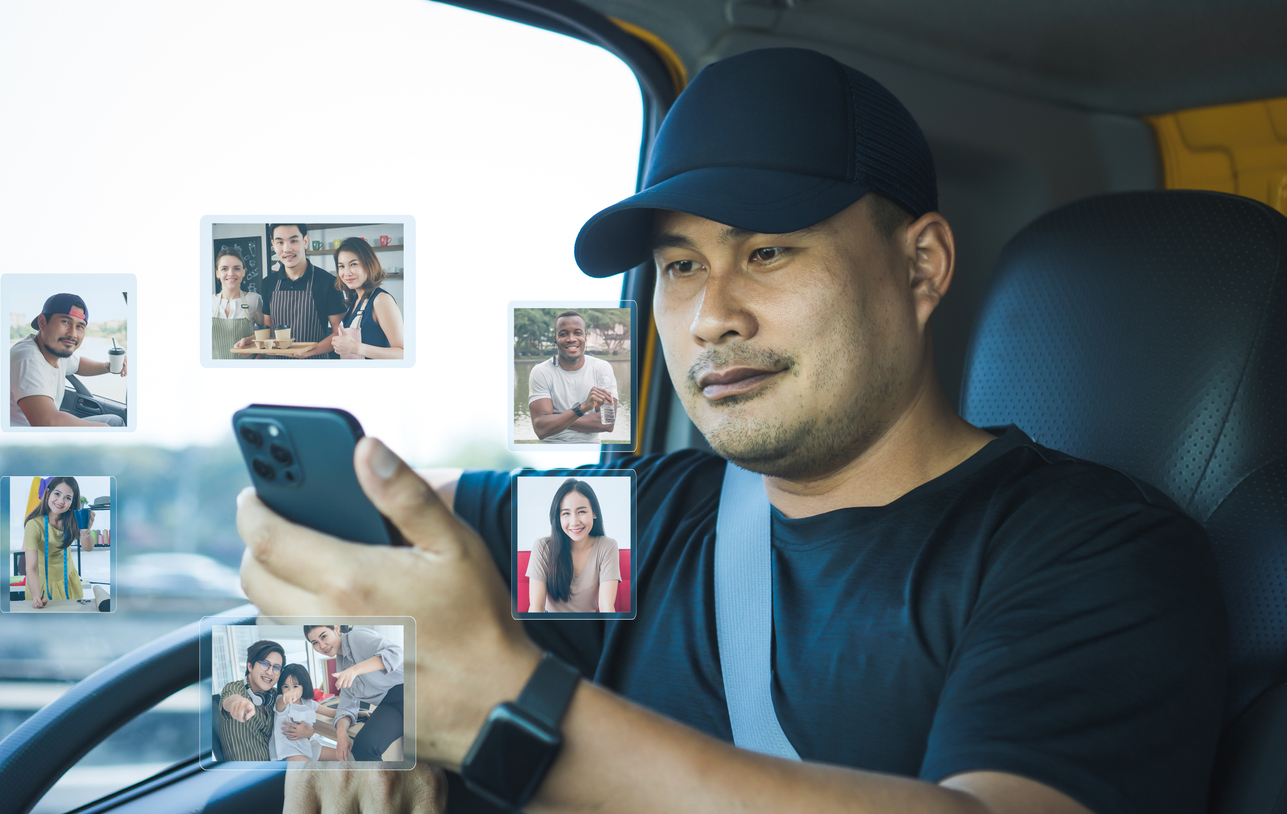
<point>115,359</point>
<point>263,333</point>
<point>282,334</point>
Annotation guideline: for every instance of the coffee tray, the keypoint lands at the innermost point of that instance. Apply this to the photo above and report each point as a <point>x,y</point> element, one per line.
<point>294,349</point>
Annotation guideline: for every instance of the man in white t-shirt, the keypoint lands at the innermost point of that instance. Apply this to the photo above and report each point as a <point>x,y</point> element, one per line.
<point>565,393</point>
<point>39,364</point>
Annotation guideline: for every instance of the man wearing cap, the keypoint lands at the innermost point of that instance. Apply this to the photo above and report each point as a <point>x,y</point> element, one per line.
<point>39,364</point>
<point>299,294</point>
<point>916,614</point>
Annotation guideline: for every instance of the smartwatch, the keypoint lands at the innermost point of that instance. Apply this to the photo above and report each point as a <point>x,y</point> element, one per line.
<point>520,739</point>
<point>576,408</point>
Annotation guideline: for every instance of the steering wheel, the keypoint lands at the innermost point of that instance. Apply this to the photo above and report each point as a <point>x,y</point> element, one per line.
<point>77,385</point>
<point>46,745</point>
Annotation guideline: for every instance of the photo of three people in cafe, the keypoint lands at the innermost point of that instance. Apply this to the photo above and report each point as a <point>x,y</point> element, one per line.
<point>308,291</point>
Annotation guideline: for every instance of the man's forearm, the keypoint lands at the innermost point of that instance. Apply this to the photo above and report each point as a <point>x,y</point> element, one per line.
<point>591,422</point>
<point>597,769</point>
<point>548,425</point>
<point>90,367</point>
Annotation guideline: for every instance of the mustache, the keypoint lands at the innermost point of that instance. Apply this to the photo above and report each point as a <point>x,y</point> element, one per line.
<point>737,356</point>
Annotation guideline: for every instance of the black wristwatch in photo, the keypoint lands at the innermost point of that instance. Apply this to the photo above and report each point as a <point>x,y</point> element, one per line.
<point>520,739</point>
<point>576,408</point>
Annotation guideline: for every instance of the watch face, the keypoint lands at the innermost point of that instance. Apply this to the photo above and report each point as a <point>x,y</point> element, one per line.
<point>510,756</point>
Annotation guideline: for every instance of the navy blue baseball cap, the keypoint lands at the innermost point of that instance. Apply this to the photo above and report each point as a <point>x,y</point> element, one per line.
<point>63,304</point>
<point>772,141</point>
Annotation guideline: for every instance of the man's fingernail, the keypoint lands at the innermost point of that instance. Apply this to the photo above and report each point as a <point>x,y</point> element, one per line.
<point>244,494</point>
<point>383,462</point>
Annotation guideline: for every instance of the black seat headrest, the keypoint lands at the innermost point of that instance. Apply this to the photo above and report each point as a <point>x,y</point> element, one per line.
<point>1148,331</point>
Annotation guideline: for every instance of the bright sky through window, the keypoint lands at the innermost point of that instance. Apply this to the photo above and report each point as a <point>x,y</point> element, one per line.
<point>140,118</point>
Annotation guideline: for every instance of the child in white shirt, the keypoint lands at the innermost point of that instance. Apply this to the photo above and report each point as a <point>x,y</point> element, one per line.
<point>296,714</point>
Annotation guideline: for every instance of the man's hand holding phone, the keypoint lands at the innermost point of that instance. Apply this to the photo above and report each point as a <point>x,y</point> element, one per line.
<point>444,577</point>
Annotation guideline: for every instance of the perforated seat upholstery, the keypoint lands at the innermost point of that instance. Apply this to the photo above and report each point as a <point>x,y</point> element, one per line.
<point>1148,331</point>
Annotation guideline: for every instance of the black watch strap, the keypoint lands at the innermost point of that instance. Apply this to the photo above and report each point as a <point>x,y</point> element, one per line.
<point>576,408</point>
<point>548,692</point>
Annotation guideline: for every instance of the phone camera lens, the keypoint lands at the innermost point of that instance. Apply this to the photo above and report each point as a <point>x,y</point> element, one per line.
<point>263,469</point>
<point>290,476</point>
<point>251,436</point>
<point>281,454</point>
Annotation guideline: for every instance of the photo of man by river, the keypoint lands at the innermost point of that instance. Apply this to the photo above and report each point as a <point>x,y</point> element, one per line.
<point>573,375</point>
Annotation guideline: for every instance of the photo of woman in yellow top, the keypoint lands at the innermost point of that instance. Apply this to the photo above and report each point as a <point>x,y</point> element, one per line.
<point>50,528</point>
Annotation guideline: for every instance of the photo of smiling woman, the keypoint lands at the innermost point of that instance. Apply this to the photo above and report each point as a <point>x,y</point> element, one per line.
<point>371,328</point>
<point>576,568</point>
<point>370,670</point>
<point>235,313</point>
<point>49,529</point>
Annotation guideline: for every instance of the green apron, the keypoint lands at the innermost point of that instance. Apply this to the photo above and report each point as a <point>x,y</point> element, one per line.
<point>227,332</point>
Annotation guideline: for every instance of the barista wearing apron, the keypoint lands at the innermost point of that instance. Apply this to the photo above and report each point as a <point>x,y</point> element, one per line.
<point>235,313</point>
<point>302,295</point>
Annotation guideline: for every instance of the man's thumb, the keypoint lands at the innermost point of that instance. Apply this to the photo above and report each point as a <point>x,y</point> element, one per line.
<point>403,496</point>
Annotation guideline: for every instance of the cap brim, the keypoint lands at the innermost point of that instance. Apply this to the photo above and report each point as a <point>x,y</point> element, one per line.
<point>770,201</point>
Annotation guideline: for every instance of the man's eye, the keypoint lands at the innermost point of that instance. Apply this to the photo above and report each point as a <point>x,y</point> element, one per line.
<point>767,254</point>
<point>682,268</point>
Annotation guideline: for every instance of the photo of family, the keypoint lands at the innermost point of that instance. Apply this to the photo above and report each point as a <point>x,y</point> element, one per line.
<point>59,548</point>
<point>69,365</point>
<point>307,292</point>
<point>572,380</point>
<point>310,693</point>
<point>574,538</point>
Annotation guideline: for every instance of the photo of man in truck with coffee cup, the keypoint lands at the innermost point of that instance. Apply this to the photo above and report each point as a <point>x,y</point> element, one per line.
<point>58,343</point>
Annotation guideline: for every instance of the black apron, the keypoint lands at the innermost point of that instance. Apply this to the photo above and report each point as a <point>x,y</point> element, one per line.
<point>298,309</point>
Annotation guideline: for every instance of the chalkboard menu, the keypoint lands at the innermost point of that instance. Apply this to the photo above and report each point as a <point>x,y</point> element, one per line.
<point>252,249</point>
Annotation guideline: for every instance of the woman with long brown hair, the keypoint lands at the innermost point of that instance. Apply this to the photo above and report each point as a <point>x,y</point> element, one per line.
<point>371,328</point>
<point>575,569</point>
<point>49,530</point>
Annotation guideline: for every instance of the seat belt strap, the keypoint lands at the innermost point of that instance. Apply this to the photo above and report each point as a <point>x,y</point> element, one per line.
<point>744,612</point>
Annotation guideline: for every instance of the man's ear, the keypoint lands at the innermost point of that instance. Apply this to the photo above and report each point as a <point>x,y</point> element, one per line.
<point>41,322</point>
<point>932,250</point>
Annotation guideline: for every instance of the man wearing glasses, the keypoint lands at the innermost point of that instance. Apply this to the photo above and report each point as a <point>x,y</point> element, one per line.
<point>245,705</point>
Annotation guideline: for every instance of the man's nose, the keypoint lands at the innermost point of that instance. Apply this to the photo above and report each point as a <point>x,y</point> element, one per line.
<point>722,314</point>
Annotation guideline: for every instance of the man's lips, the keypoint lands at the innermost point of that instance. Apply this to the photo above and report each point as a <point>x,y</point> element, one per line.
<point>733,382</point>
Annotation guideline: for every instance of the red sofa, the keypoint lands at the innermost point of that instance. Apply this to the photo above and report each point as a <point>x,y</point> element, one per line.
<point>623,590</point>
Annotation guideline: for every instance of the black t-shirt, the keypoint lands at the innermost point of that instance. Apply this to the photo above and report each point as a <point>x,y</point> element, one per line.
<point>326,297</point>
<point>1026,612</point>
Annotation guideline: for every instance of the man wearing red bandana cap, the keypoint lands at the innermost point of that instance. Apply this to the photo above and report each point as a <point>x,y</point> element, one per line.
<point>39,364</point>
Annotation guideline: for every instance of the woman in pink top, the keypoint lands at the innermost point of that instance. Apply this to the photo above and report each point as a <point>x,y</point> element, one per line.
<point>575,569</point>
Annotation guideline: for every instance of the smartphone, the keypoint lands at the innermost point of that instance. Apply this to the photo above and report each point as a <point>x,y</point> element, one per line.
<point>301,463</point>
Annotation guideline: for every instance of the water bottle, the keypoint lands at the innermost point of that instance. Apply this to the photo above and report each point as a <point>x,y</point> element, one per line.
<point>607,410</point>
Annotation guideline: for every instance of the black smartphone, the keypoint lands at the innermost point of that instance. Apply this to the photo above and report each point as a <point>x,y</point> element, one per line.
<point>301,464</point>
